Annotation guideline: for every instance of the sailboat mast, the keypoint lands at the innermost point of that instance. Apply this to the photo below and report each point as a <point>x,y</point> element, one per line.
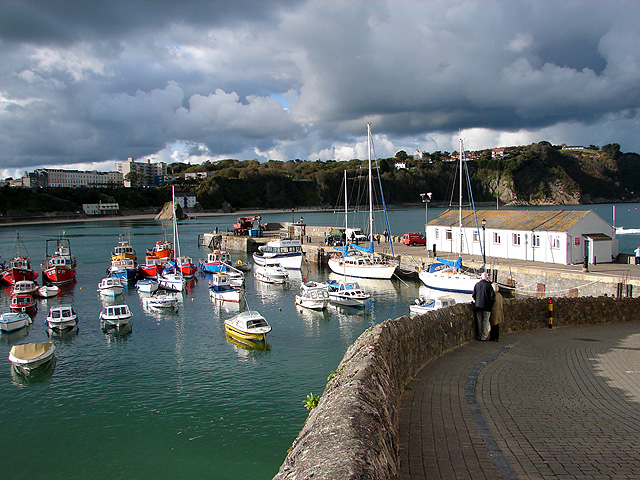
<point>176,241</point>
<point>370,185</point>
<point>460,198</point>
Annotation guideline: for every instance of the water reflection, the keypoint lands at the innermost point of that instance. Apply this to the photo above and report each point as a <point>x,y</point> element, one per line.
<point>247,350</point>
<point>36,375</point>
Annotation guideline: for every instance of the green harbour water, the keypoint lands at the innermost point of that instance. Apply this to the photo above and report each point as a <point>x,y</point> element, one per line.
<point>175,398</point>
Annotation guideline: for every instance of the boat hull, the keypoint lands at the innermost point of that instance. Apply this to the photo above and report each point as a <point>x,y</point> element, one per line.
<point>28,358</point>
<point>10,322</point>
<point>312,303</point>
<point>374,271</point>
<point>233,332</point>
<point>290,261</point>
<point>60,275</point>
<point>232,295</point>
<point>449,281</point>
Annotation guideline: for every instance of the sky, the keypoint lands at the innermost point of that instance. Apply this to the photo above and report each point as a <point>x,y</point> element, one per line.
<point>86,84</point>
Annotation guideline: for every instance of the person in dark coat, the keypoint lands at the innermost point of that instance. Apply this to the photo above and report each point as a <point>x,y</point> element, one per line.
<point>483,296</point>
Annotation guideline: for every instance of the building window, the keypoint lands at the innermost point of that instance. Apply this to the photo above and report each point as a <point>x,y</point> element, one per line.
<point>448,234</point>
<point>535,240</point>
<point>516,239</point>
<point>437,234</point>
<point>496,238</point>
<point>476,237</point>
<point>555,242</point>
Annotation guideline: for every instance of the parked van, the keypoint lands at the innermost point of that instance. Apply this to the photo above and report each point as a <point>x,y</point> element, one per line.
<point>414,239</point>
<point>356,234</point>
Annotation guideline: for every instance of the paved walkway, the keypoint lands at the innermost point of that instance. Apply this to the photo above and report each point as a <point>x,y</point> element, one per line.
<point>561,403</point>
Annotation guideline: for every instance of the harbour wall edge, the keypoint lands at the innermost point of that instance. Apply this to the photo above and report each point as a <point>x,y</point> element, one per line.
<point>353,431</point>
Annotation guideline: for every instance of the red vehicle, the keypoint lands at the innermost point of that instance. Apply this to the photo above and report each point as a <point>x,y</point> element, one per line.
<point>22,302</point>
<point>414,239</point>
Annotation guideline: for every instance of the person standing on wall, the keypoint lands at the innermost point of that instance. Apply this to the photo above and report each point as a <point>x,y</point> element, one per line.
<point>637,252</point>
<point>484,296</point>
<point>497,314</point>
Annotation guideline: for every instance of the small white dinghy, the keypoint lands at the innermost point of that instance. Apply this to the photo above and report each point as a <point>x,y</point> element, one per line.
<point>28,357</point>
<point>12,321</point>
<point>48,291</point>
<point>147,285</point>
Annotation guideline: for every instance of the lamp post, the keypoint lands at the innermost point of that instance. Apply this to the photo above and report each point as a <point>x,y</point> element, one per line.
<point>484,244</point>
<point>426,197</point>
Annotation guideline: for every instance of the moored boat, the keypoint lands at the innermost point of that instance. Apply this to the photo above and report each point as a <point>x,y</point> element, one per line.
<point>12,321</point>
<point>114,316</point>
<point>171,279</point>
<point>313,295</point>
<point>220,289</point>
<point>152,267</point>
<point>123,250</point>
<point>60,265</point>
<point>286,252</point>
<point>110,286</point>
<point>19,267</point>
<point>423,305</point>
<point>161,299</point>
<point>22,302</point>
<point>123,268</point>
<point>163,249</point>
<point>48,291</point>
<point>28,357</point>
<point>147,285</point>
<point>349,294</point>
<point>186,266</point>
<point>215,262</point>
<point>273,273</point>
<point>61,317</point>
<point>25,286</point>
<point>248,326</point>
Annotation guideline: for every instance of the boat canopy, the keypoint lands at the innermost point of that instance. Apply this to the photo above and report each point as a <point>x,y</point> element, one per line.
<point>359,249</point>
<point>368,249</point>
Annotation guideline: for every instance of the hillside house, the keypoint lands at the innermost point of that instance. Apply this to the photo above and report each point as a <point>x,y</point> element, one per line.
<point>552,236</point>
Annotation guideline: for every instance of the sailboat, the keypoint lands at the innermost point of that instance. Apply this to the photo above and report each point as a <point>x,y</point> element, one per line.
<point>357,261</point>
<point>172,277</point>
<point>448,275</point>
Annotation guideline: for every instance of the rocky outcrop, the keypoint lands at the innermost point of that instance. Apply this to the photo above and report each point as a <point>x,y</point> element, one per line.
<point>167,212</point>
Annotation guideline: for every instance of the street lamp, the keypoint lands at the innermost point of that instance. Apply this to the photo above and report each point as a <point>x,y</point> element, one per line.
<point>484,245</point>
<point>426,197</point>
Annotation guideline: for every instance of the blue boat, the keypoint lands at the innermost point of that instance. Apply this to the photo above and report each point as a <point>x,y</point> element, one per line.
<point>216,262</point>
<point>123,268</point>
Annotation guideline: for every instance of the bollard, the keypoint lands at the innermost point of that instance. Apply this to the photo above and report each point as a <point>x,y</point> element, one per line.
<point>550,312</point>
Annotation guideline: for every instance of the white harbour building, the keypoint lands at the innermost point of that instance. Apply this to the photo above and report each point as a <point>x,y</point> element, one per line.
<point>564,237</point>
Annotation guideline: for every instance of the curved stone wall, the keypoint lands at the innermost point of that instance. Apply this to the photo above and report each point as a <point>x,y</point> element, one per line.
<point>353,432</point>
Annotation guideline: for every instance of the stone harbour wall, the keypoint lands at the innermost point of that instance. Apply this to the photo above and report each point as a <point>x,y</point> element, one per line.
<point>353,432</point>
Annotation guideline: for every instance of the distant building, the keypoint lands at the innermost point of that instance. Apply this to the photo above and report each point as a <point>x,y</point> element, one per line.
<point>57,177</point>
<point>186,199</point>
<point>497,152</point>
<point>100,208</point>
<point>573,147</point>
<point>142,174</point>
<point>401,166</point>
<point>194,175</point>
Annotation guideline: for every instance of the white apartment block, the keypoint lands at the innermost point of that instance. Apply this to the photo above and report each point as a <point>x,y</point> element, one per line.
<point>56,177</point>
<point>148,174</point>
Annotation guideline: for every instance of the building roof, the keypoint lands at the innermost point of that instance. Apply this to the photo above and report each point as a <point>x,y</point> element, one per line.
<point>547,220</point>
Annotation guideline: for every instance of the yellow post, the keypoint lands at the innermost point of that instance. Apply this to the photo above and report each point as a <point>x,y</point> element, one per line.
<point>550,312</point>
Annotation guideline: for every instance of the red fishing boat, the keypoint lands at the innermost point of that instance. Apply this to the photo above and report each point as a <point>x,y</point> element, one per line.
<point>186,266</point>
<point>19,267</point>
<point>152,267</point>
<point>163,249</point>
<point>61,265</point>
<point>22,302</point>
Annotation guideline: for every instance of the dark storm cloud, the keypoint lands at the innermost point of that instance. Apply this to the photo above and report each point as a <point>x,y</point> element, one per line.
<point>84,82</point>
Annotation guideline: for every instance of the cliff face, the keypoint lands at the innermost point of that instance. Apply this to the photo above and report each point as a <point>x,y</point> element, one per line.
<point>167,212</point>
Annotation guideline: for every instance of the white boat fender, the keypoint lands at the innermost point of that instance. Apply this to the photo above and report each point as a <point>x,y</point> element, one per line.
<point>24,309</point>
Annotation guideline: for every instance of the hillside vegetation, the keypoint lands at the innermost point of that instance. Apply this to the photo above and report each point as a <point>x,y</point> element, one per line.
<point>534,174</point>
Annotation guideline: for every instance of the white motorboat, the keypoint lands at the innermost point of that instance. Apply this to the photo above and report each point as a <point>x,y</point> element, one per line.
<point>48,291</point>
<point>114,316</point>
<point>61,317</point>
<point>358,261</point>
<point>313,295</point>
<point>12,321</point>
<point>147,285</point>
<point>349,294</point>
<point>273,273</point>
<point>161,299</point>
<point>248,326</point>
<point>110,286</point>
<point>171,279</point>
<point>28,357</point>
<point>25,286</point>
<point>285,252</point>
<point>423,305</point>
<point>221,289</point>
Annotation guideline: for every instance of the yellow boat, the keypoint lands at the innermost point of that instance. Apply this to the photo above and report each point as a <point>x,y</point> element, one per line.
<point>247,326</point>
<point>123,250</point>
